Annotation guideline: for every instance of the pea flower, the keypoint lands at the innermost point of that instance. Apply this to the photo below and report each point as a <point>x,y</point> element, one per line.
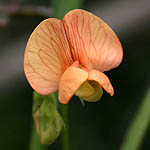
<point>71,56</point>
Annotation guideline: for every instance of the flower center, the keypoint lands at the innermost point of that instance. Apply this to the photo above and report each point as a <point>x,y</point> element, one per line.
<point>90,91</point>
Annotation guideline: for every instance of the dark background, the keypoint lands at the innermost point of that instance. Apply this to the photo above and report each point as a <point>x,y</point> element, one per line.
<point>96,126</point>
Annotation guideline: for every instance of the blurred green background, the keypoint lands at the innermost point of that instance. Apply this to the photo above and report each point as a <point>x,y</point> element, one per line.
<point>96,126</point>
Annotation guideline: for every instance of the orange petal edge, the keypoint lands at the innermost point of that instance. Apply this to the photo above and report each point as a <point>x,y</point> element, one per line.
<point>102,79</point>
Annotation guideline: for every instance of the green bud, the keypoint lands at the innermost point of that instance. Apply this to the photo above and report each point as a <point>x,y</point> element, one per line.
<point>50,122</point>
<point>90,91</point>
<point>36,117</point>
<point>47,119</point>
<point>37,101</point>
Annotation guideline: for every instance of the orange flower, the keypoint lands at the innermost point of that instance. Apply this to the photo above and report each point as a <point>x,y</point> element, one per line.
<point>71,56</point>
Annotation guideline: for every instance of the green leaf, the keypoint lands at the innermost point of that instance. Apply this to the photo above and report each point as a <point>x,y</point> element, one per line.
<point>138,127</point>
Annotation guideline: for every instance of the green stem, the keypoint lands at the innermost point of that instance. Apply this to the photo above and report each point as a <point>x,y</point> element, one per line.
<point>35,141</point>
<point>139,126</point>
<point>61,7</point>
<point>65,134</point>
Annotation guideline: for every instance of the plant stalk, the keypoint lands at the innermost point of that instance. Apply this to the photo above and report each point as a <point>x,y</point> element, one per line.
<point>35,141</point>
<point>65,134</point>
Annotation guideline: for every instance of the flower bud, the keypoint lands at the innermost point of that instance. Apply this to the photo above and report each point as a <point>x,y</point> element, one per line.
<point>47,119</point>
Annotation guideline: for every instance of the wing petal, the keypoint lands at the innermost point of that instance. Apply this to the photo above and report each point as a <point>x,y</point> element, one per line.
<point>102,79</point>
<point>70,81</point>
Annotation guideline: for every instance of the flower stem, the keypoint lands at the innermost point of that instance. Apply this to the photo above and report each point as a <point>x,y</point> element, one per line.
<point>65,134</point>
<point>35,141</point>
